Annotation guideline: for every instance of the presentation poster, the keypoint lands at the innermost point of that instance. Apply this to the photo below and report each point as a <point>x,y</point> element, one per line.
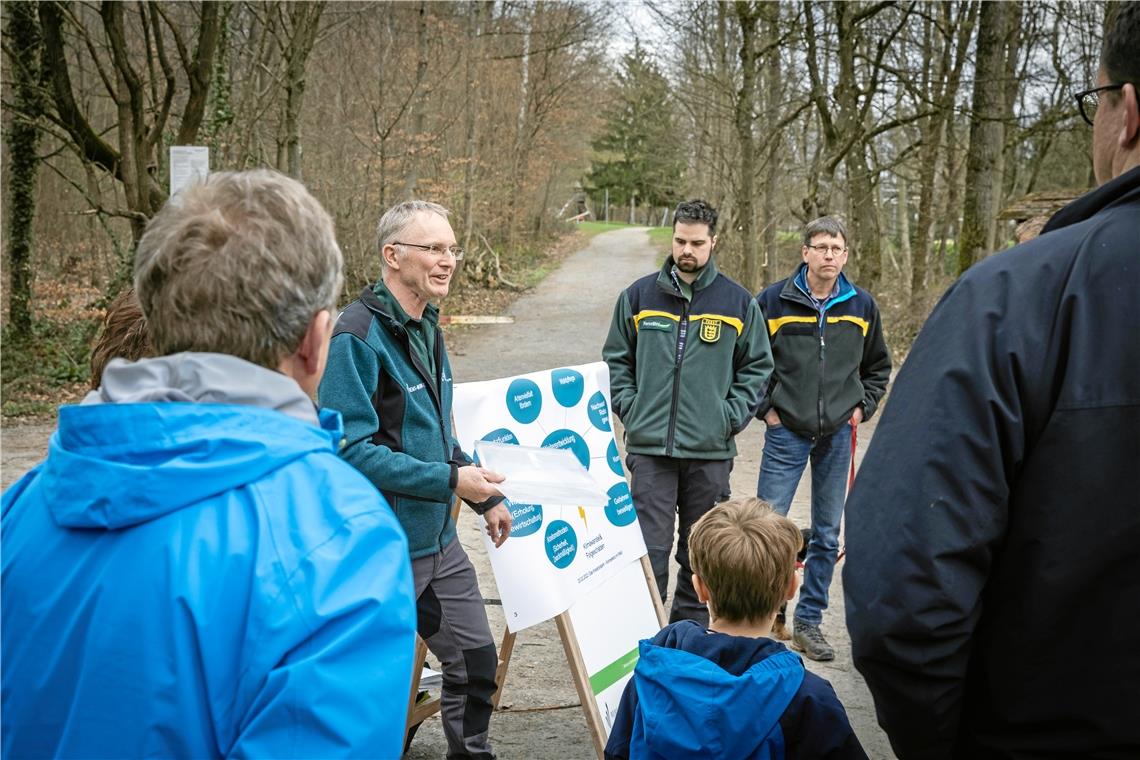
<point>557,553</point>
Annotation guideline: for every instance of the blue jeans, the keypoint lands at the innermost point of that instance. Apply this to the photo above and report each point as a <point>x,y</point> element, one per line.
<point>786,454</point>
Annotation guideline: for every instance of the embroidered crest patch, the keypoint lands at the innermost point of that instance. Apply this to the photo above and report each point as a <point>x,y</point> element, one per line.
<point>710,330</point>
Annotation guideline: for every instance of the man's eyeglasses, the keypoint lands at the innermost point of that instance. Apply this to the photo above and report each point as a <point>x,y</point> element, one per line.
<point>454,251</point>
<point>1088,100</point>
<point>822,249</point>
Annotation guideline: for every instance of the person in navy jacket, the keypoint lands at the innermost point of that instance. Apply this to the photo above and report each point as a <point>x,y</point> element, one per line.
<point>993,535</point>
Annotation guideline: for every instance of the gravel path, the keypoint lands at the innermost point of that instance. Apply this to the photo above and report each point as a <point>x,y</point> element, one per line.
<point>563,321</point>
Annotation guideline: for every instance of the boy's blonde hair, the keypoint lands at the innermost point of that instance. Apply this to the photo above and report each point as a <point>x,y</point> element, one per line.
<point>746,555</point>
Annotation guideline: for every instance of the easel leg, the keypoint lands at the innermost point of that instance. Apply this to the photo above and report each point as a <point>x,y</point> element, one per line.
<point>654,594</point>
<point>505,650</point>
<point>582,682</point>
<point>417,671</point>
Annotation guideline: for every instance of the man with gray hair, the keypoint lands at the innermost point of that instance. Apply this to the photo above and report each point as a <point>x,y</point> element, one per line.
<point>832,367</point>
<point>389,376</point>
<point>193,571</point>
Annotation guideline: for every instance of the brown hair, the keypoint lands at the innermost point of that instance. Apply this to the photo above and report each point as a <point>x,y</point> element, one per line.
<point>746,555</point>
<point>124,335</point>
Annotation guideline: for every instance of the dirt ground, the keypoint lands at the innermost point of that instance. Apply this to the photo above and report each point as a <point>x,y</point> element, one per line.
<point>563,321</point>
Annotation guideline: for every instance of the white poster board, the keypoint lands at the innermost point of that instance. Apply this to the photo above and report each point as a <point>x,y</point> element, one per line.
<point>608,624</point>
<point>557,553</point>
<point>188,163</point>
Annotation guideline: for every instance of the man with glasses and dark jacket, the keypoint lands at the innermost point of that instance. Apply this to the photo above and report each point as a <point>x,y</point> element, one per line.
<point>832,367</point>
<point>993,570</point>
<point>389,376</point>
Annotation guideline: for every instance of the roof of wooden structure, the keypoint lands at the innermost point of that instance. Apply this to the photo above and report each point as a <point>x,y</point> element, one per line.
<point>1039,204</point>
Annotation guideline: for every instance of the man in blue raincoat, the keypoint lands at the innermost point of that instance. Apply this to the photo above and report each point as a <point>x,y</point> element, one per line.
<point>193,571</point>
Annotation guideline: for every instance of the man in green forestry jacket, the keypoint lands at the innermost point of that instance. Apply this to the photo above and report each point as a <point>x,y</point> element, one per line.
<point>389,377</point>
<point>688,358</point>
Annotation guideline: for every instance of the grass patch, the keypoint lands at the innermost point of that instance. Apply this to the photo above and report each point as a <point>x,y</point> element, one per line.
<point>660,237</point>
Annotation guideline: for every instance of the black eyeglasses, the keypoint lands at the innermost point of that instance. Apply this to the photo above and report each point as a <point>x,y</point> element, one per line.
<point>1088,100</point>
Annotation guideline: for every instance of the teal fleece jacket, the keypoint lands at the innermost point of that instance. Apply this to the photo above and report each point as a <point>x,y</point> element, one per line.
<point>397,416</point>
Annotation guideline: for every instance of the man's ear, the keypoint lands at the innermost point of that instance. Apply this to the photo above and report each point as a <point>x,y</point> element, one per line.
<point>1130,129</point>
<point>310,357</point>
<point>315,344</point>
<point>390,256</point>
<point>793,586</point>
<point>701,589</point>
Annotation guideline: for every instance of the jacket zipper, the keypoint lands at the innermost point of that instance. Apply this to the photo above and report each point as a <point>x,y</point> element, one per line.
<point>822,346</point>
<point>682,334</point>
<point>435,394</point>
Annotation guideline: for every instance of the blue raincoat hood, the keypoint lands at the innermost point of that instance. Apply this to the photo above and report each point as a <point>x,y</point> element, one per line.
<point>704,694</point>
<point>119,459</point>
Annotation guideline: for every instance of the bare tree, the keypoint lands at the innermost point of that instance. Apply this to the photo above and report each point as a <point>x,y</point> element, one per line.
<point>983,162</point>
<point>143,98</point>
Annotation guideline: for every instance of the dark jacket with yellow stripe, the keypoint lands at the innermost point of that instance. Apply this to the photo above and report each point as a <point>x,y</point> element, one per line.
<point>828,361</point>
<point>687,363</point>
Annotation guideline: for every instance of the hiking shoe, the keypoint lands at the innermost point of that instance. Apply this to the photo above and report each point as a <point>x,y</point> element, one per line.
<point>809,640</point>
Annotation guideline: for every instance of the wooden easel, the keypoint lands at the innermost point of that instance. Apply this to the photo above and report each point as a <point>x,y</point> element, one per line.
<point>421,712</point>
<point>594,721</point>
<point>574,659</point>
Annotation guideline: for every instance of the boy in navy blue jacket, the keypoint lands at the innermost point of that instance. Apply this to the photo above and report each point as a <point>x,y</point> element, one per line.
<point>730,691</point>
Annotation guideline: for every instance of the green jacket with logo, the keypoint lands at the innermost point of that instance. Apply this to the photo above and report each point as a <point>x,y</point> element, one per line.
<point>688,364</point>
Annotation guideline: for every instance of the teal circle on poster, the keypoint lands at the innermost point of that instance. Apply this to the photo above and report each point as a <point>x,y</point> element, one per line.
<point>613,458</point>
<point>524,400</point>
<point>502,435</point>
<point>526,519</point>
<point>599,412</point>
<point>620,510</point>
<point>568,385</point>
<point>568,439</point>
<point>561,544</point>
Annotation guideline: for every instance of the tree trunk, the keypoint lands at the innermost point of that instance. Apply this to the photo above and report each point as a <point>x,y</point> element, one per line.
<point>304,20</point>
<point>519,163</point>
<point>419,109</point>
<point>22,139</point>
<point>747,15</point>
<point>983,161</point>
<point>944,90</point>
<point>470,100</point>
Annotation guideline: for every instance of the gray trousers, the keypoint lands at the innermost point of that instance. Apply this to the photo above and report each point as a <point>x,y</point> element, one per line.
<point>663,489</point>
<point>453,623</point>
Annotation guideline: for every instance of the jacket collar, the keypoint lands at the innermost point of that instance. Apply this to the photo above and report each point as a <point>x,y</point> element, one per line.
<point>796,289</point>
<point>1119,189</point>
<point>381,302</point>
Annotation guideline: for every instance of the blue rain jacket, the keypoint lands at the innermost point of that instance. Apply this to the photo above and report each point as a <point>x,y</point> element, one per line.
<point>696,693</point>
<point>202,580</point>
